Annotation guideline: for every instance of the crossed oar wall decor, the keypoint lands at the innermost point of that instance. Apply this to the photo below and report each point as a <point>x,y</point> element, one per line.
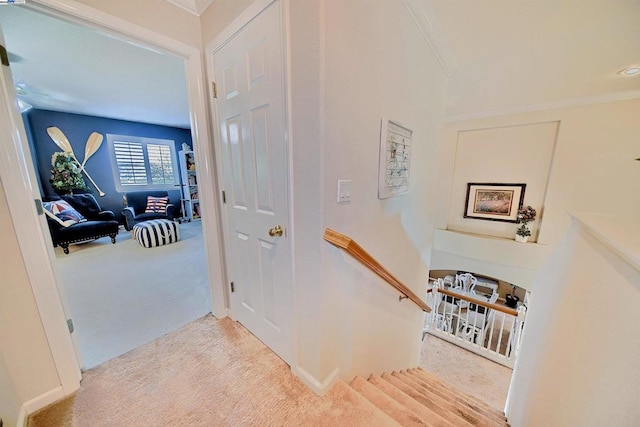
<point>91,146</point>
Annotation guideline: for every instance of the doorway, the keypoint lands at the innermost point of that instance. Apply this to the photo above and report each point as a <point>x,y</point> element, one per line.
<point>18,176</point>
<point>117,296</point>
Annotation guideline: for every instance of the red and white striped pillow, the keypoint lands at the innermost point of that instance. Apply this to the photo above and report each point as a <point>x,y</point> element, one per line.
<point>156,204</point>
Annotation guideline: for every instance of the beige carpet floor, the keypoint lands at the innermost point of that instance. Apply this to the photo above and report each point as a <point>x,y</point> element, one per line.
<point>208,373</point>
<point>124,295</point>
<point>466,371</point>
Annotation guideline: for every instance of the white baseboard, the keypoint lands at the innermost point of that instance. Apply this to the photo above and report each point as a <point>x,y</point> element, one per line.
<point>39,402</point>
<point>320,388</point>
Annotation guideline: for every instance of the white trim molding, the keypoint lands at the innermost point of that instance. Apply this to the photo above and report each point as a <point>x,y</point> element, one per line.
<point>195,7</point>
<point>236,25</point>
<point>38,402</point>
<point>425,18</point>
<point>18,177</point>
<point>556,105</point>
<point>318,387</point>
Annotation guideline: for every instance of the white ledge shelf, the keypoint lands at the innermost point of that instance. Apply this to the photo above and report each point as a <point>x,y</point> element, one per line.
<point>502,258</point>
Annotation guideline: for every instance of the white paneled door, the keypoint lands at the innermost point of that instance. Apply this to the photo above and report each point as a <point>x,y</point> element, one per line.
<point>249,74</point>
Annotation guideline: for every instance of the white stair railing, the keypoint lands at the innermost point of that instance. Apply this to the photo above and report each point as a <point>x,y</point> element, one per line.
<point>474,321</point>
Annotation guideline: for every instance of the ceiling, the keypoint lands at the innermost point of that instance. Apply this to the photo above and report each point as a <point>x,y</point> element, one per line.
<point>519,55</point>
<point>62,66</point>
<point>511,55</point>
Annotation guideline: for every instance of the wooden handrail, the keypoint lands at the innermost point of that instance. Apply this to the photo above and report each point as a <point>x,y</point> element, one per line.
<point>356,251</point>
<point>496,307</point>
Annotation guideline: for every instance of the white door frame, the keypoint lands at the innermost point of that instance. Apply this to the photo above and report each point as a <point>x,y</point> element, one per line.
<point>221,40</point>
<point>18,178</point>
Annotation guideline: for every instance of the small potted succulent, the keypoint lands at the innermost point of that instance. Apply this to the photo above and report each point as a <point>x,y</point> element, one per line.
<point>525,215</point>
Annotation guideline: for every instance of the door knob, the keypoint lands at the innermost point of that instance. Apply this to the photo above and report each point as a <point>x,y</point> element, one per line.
<point>276,231</point>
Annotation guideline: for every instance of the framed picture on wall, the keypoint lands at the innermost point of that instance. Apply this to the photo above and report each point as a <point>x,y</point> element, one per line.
<point>395,159</point>
<point>494,202</point>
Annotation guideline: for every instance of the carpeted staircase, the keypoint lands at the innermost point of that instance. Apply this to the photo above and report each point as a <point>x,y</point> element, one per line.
<point>416,398</point>
<point>216,373</point>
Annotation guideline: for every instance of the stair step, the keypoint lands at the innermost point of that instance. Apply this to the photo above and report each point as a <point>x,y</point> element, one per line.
<point>366,414</point>
<point>385,403</point>
<point>457,415</point>
<point>426,414</point>
<point>433,379</point>
<point>450,395</point>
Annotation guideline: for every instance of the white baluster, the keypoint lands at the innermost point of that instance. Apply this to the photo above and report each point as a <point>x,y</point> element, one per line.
<point>522,314</point>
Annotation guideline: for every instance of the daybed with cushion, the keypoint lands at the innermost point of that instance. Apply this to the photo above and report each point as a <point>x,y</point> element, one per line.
<point>78,218</point>
<point>146,205</point>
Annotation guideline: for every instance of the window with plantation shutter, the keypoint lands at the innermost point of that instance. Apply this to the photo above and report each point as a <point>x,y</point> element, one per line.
<point>130,161</point>
<point>143,163</point>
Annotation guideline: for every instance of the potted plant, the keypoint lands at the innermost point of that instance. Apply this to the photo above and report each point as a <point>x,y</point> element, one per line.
<point>66,175</point>
<point>525,215</point>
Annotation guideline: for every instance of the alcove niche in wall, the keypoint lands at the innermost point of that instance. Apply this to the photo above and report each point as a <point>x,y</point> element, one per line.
<point>519,154</point>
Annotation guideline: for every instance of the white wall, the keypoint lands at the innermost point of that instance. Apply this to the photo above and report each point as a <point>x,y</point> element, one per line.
<point>578,362</point>
<point>27,363</point>
<point>9,404</point>
<point>377,64</point>
<point>352,63</point>
<point>592,170</point>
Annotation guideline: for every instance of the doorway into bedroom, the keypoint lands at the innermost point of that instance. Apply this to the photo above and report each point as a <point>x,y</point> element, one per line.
<point>118,296</point>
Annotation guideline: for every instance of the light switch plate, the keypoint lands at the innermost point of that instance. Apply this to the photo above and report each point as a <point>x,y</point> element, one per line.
<point>344,191</point>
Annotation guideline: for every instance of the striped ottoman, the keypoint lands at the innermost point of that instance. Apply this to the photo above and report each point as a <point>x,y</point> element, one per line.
<point>156,232</point>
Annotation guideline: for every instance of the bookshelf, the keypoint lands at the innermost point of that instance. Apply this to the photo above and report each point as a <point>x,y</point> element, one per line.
<point>189,179</point>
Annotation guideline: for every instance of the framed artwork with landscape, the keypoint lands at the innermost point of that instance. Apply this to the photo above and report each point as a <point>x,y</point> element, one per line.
<point>494,202</point>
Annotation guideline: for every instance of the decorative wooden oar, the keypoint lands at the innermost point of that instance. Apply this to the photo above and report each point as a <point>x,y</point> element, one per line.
<point>61,141</point>
<point>93,144</point>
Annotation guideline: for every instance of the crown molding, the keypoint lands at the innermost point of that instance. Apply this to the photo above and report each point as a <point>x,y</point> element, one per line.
<point>195,7</point>
<point>565,103</point>
<point>425,18</point>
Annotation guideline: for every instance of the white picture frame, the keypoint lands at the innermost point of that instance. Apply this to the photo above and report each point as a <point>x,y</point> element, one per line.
<point>395,159</point>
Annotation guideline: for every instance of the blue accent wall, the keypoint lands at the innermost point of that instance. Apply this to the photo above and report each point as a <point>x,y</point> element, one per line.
<point>77,129</point>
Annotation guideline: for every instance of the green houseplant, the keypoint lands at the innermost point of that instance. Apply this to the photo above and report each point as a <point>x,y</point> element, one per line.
<point>66,175</point>
<point>526,215</point>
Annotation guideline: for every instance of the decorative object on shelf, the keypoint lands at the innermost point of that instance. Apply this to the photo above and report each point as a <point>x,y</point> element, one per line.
<point>525,216</point>
<point>395,159</point>
<point>91,146</point>
<point>511,300</point>
<point>65,174</point>
<point>189,185</point>
<point>494,202</point>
